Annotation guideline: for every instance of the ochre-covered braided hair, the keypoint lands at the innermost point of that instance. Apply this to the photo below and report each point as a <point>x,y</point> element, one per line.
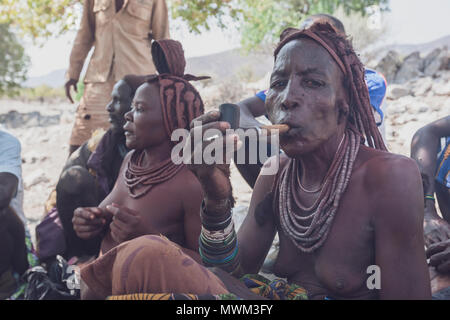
<point>180,101</point>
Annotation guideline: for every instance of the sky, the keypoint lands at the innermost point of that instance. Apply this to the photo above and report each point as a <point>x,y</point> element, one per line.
<point>411,22</point>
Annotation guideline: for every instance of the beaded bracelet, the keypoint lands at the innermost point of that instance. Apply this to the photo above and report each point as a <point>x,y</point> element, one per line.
<point>208,252</point>
<point>215,222</point>
<point>218,235</point>
<point>219,261</point>
<point>217,253</point>
<point>218,245</point>
<point>218,225</point>
<point>218,248</point>
<point>212,261</point>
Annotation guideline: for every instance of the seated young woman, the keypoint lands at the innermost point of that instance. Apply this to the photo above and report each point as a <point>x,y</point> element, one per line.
<point>152,195</point>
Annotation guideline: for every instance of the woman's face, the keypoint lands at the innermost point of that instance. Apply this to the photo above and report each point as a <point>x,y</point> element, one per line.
<point>306,88</point>
<point>144,125</point>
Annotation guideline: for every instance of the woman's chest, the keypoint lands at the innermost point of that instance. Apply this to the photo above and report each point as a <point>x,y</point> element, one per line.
<point>341,263</point>
<point>158,207</point>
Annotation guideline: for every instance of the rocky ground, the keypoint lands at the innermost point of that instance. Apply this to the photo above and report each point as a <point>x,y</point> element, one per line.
<point>419,92</point>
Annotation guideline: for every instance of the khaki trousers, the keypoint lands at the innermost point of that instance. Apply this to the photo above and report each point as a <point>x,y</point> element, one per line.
<point>91,113</point>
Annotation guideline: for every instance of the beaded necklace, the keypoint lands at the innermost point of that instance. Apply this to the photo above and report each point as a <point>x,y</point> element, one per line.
<point>308,231</point>
<point>140,177</point>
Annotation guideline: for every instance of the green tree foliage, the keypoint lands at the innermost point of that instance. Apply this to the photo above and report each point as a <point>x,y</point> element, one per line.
<point>13,62</point>
<point>199,14</point>
<point>40,19</point>
<point>80,90</point>
<point>261,21</point>
<point>35,19</point>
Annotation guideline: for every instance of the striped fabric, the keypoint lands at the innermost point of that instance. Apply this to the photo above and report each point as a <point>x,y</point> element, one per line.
<point>164,296</point>
<point>277,289</point>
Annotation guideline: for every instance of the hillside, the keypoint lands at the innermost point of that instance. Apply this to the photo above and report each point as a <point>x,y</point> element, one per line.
<point>230,63</point>
<point>219,66</point>
<point>423,48</point>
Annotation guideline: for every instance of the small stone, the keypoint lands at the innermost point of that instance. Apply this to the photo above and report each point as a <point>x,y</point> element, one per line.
<point>441,88</point>
<point>422,86</point>
<point>410,69</point>
<point>35,178</point>
<point>399,106</point>
<point>435,61</point>
<point>417,107</point>
<point>396,91</point>
<point>389,65</point>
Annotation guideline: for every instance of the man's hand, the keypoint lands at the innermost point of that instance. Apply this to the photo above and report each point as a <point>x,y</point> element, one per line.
<point>439,255</point>
<point>435,229</point>
<point>213,176</point>
<point>89,222</point>
<point>67,85</point>
<point>125,223</point>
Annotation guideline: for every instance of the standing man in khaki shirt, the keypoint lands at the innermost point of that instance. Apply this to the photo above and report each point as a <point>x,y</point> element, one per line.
<point>120,32</point>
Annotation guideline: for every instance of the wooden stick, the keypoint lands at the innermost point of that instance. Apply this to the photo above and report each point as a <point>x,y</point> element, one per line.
<point>282,128</point>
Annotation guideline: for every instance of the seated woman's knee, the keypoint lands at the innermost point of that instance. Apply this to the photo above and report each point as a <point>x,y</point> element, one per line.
<point>76,180</point>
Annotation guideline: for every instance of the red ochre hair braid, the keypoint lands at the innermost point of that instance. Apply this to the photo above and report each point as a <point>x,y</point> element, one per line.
<point>180,101</point>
